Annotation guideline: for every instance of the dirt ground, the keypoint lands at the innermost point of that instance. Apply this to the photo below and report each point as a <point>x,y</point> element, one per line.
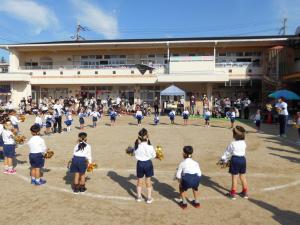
<point>273,176</point>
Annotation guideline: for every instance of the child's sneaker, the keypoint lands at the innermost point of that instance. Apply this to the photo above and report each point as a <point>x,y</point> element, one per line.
<point>32,181</point>
<point>244,195</point>
<point>182,205</point>
<point>5,171</point>
<point>40,182</point>
<point>13,171</point>
<point>139,199</point>
<point>196,204</point>
<point>82,188</point>
<point>149,200</point>
<point>231,196</point>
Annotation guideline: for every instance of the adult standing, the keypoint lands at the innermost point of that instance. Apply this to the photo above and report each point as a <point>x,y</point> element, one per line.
<point>192,104</point>
<point>283,114</point>
<point>246,103</point>
<point>57,116</point>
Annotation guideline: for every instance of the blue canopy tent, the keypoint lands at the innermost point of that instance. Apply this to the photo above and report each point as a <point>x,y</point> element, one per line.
<point>172,91</point>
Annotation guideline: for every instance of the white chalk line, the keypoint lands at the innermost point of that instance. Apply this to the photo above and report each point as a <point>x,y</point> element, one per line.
<point>168,172</point>
<point>122,198</point>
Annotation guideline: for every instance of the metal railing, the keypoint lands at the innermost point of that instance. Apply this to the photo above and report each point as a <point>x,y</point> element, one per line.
<point>237,64</point>
<point>80,67</point>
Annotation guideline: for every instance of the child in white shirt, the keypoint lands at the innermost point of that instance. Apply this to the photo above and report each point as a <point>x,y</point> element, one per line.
<point>82,156</point>
<point>188,174</point>
<point>185,116</point>
<point>139,116</point>
<point>235,152</point>
<point>144,153</point>
<point>9,147</point>
<point>37,148</point>
<point>95,115</point>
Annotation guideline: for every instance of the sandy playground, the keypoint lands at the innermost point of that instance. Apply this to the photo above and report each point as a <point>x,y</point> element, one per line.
<point>273,176</point>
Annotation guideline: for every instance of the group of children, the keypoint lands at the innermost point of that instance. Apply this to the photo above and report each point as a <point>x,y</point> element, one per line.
<point>188,173</point>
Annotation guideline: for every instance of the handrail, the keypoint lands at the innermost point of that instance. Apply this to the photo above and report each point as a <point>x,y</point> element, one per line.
<point>78,67</point>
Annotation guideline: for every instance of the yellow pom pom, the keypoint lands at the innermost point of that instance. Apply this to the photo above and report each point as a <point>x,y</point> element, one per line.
<point>159,152</point>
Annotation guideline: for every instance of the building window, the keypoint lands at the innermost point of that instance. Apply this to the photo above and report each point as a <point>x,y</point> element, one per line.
<point>61,73</point>
<point>96,72</point>
<point>78,72</point>
<point>132,71</point>
<point>114,72</point>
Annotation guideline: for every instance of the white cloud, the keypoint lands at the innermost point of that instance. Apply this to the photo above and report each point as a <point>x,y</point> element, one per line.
<point>38,16</point>
<point>96,19</point>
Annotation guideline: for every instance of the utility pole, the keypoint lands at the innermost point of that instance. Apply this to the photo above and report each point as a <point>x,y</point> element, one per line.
<point>283,29</point>
<point>77,36</point>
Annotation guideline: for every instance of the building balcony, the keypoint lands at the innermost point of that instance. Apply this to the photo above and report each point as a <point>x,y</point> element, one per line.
<point>204,76</point>
<point>17,76</point>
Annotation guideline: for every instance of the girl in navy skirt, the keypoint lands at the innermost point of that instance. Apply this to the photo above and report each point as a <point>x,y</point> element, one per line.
<point>188,174</point>
<point>139,116</point>
<point>95,115</point>
<point>257,120</point>
<point>82,156</point>
<point>144,153</point>
<point>235,152</point>
<point>231,116</point>
<point>9,147</point>
<point>49,121</point>
<point>1,139</point>
<point>172,116</point>
<point>185,116</point>
<point>81,116</point>
<point>113,115</point>
<point>207,115</point>
<point>37,149</point>
<point>69,120</point>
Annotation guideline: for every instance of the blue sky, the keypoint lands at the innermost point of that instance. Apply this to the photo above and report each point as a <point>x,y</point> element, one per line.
<point>52,20</point>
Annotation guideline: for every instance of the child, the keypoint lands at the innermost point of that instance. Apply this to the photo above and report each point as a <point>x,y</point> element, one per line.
<point>144,153</point>
<point>188,175</point>
<point>207,115</point>
<point>231,116</point>
<point>185,116</point>
<point>139,116</point>
<point>14,120</point>
<point>156,119</point>
<point>172,116</point>
<point>1,139</point>
<point>49,121</point>
<point>81,118</point>
<point>69,120</point>
<point>8,147</point>
<point>38,120</point>
<point>95,115</point>
<point>37,148</point>
<point>113,115</point>
<point>257,120</point>
<point>82,154</point>
<point>298,126</point>
<point>235,152</point>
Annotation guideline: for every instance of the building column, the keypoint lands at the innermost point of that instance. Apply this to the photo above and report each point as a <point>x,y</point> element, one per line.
<point>209,94</point>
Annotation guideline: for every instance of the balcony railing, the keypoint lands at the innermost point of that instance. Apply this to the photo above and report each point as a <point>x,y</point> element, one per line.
<point>78,67</point>
<point>237,64</point>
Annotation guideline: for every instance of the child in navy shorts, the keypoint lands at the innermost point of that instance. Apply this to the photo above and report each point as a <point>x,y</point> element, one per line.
<point>113,115</point>
<point>81,116</point>
<point>185,116</point>
<point>1,139</point>
<point>82,156</point>
<point>235,152</point>
<point>9,147</point>
<point>188,174</point>
<point>37,148</point>
<point>144,153</point>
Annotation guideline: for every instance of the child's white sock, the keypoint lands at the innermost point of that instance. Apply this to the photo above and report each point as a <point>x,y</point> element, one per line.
<point>149,192</point>
<point>139,191</point>
<point>184,201</point>
<point>38,179</point>
<point>32,178</point>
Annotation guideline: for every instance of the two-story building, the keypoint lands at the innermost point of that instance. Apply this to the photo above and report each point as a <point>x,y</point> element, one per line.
<point>141,68</point>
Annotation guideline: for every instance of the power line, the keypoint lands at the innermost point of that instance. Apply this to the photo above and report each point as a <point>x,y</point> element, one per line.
<point>282,29</point>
